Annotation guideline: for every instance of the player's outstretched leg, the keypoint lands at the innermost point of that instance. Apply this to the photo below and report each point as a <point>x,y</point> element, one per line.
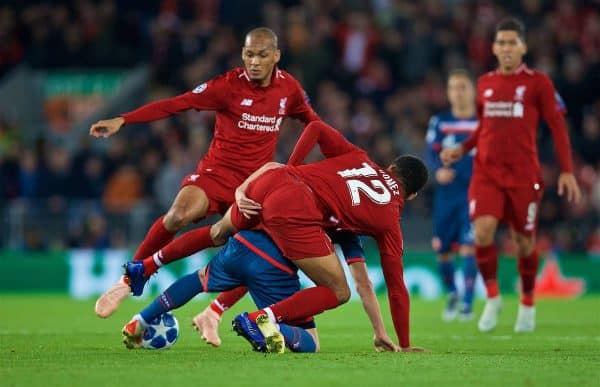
<point>132,281</point>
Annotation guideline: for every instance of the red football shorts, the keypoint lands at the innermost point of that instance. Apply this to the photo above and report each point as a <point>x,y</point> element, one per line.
<point>220,192</point>
<point>518,206</point>
<point>290,215</point>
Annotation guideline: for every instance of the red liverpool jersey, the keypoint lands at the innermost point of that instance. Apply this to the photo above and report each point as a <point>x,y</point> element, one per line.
<point>510,108</point>
<point>248,117</point>
<point>359,196</point>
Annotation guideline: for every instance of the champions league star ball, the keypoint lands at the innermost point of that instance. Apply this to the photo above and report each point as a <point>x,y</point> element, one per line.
<point>162,332</point>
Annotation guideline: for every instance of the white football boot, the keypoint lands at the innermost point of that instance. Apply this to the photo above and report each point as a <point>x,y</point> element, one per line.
<point>491,311</point>
<point>525,319</point>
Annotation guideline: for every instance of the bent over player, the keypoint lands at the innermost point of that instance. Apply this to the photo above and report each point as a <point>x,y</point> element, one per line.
<point>250,104</point>
<point>346,191</point>
<point>507,183</point>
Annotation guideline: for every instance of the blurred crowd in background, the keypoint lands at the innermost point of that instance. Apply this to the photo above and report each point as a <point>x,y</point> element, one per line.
<point>374,69</point>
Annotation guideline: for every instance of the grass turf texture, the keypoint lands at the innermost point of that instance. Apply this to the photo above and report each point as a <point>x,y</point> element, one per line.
<point>54,341</point>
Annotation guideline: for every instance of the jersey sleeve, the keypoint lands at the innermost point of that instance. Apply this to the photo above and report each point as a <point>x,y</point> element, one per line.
<point>331,142</point>
<point>552,110</point>
<point>434,144</point>
<point>351,246</point>
<point>210,95</point>
<point>301,108</point>
<point>390,250</point>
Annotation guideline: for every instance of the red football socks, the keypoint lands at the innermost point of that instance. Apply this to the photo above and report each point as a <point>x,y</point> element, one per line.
<point>305,303</point>
<point>528,267</point>
<point>227,299</point>
<point>157,237</point>
<point>181,247</point>
<point>487,262</point>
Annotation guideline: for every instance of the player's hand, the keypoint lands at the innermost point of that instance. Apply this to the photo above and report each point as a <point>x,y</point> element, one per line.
<point>247,206</point>
<point>106,128</point>
<point>413,349</point>
<point>451,155</point>
<point>568,184</point>
<point>383,343</point>
<point>445,175</point>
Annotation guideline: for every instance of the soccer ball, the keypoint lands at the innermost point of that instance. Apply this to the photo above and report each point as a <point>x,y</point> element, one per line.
<point>161,333</point>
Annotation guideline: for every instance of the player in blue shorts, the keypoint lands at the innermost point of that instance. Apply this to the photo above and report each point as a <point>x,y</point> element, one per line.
<point>251,259</point>
<point>452,227</point>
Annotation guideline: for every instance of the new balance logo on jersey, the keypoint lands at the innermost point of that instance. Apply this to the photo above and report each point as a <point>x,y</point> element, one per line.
<point>246,102</point>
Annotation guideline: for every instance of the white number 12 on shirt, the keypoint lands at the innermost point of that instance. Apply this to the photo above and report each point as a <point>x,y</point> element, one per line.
<point>357,186</point>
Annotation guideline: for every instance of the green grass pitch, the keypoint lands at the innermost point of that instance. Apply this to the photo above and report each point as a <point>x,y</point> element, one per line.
<point>54,341</point>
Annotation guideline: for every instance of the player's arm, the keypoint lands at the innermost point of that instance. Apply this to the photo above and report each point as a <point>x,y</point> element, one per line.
<point>331,142</point>
<point>390,250</point>
<point>553,111</point>
<point>364,288</point>
<point>355,258</point>
<point>301,108</point>
<point>208,96</point>
<point>246,205</point>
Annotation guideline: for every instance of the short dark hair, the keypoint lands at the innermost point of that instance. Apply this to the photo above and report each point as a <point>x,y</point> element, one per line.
<point>412,173</point>
<point>511,24</point>
<point>265,32</point>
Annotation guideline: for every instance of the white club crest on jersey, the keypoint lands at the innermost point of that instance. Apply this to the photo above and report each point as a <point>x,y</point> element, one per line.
<point>246,102</point>
<point>488,93</point>
<point>200,88</point>
<point>282,103</point>
<point>519,92</point>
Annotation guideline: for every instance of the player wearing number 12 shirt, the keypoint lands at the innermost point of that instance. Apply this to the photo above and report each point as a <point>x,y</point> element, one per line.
<point>346,190</point>
<point>507,183</point>
<point>250,104</point>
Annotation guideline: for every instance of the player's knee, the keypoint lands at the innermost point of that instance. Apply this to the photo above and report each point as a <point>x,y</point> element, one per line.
<point>176,219</point>
<point>525,246</point>
<point>484,235</point>
<point>342,294</point>
<point>219,232</point>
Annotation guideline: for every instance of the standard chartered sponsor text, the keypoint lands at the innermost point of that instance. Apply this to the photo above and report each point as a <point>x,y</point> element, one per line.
<point>259,123</point>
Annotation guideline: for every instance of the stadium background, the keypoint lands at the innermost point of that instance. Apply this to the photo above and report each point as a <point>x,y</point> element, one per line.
<point>373,69</point>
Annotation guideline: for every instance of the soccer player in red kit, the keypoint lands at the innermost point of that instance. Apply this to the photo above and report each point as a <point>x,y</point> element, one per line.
<point>507,182</point>
<point>250,104</point>
<point>347,191</point>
